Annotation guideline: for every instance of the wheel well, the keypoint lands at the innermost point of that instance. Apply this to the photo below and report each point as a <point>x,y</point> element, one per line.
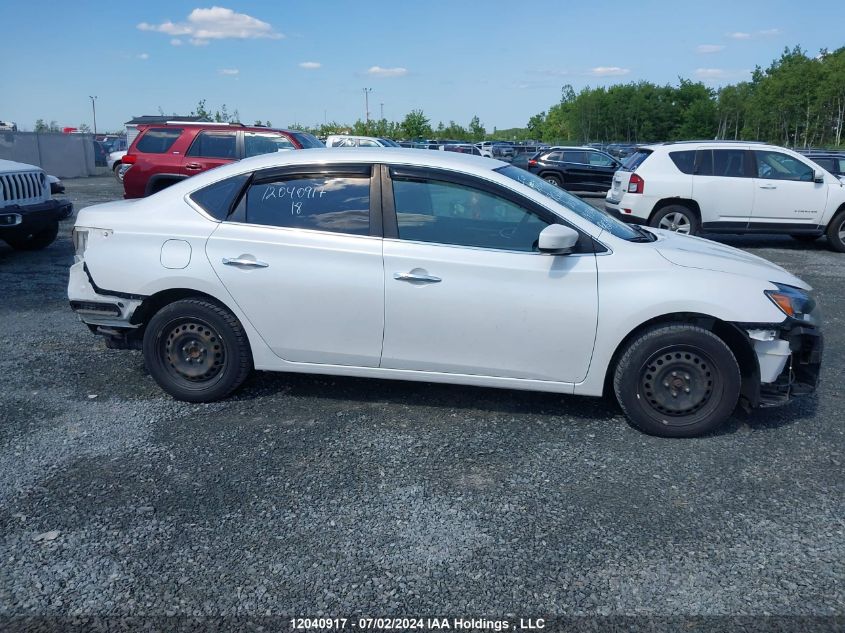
<point>549,172</point>
<point>157,183</point>
<point>686,202</point>
<point>730,334</point>
<point>156,302</point>
<point>839,212</point>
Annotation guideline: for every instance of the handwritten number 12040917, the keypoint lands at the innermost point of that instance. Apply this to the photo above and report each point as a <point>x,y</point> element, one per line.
<point>296,195</point>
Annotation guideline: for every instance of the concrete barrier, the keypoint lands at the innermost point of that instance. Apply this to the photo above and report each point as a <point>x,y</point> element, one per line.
<point>62,155</point>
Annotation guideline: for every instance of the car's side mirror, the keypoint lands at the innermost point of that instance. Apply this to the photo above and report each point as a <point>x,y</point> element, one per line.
<point>557,239</point>
<point>818,176</point>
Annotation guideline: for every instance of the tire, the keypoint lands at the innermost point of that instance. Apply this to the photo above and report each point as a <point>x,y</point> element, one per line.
<point>213,351</point>
<point>116,171</point>
<point>804,237</point>
<point>836,233</point>
<point>677,381</point>
<point>553,180</point>
<point>35,241</point>
<point>678,218</point>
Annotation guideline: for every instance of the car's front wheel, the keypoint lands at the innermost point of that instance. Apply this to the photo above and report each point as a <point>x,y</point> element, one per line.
<point>678,218</point>
<point>677,381</point>
<point>836,233</point>
<point>553,180</point>
<point>196,350</point>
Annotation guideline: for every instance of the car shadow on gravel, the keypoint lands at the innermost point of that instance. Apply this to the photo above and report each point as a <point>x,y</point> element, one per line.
<point>415,394</point>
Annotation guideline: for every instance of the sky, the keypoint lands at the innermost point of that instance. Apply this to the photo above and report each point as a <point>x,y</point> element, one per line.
<point>309,61</point>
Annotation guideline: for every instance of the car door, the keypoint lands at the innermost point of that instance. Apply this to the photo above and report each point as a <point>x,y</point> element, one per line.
<point>210,149</point>
<point>602,168</point>
<point>723,187</point>
<point>301,256</point>
<point>784,192</point>
<point>466,291</point>
<point>576,170</point>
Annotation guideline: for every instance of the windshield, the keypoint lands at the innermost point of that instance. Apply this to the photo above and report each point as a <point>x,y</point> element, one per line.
<point>601,219</point>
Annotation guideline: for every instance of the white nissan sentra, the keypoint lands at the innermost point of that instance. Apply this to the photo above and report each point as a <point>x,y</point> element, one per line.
<point>437,267</point>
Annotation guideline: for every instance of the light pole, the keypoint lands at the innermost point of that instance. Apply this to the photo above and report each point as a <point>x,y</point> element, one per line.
<point>94,108</point>
<point>367,92</point>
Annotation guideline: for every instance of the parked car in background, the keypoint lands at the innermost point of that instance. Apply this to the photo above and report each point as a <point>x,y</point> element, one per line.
<point>460,270</point>
<point>575,168</point>
<point>462,148</point>
<point>342,140</point>
<point>29,215</point>
<point>162,155</point>
<point>834,162</point>
<point>114,162</point>
<point>496,149</point>
<point>100,155</point>
<point>306,140</point>
<point>729,187</point>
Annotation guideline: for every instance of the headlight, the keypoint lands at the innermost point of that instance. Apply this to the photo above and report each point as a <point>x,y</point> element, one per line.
<point>792,301</point>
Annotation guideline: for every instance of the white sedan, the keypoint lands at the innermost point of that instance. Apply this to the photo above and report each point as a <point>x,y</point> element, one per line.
<point>437,267</point>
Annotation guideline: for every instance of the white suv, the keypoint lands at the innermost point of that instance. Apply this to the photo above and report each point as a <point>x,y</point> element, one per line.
<point>729,187</point>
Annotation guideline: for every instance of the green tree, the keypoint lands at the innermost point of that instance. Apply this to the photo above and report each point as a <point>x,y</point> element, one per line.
<point>416,125</point>
<point>476,129</point>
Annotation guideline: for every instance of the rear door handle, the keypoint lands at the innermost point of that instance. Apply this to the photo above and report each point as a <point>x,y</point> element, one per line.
<point>247,262</point>
<point>193,166</point>
<point>420,277</point>
<point>768,186</point>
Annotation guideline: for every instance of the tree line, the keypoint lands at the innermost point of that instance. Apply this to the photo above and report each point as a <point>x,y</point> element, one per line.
<point>797,101</point>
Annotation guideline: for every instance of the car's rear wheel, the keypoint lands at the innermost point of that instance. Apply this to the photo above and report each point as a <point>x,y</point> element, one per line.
<point>35,241</point>
<point>553,180</point>
<point>836,233</point>
<point>677,381</point>
<point>117,172</point>
<point>196,350</point>
<point>678,218</point>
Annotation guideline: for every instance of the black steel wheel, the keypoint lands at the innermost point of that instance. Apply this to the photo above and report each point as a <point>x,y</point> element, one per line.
<point>677,381</point>
<point>196,350</point>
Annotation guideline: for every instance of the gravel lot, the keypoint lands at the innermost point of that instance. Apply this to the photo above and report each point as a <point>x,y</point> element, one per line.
<point>308,495</point>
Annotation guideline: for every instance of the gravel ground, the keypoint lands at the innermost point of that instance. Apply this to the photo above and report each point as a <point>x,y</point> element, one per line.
<point>309,495</point>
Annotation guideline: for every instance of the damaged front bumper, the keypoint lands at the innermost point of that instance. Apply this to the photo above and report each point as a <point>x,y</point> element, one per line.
<point>789,357</point>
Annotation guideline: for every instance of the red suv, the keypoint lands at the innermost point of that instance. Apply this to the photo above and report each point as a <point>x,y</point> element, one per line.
<point>163,154</point>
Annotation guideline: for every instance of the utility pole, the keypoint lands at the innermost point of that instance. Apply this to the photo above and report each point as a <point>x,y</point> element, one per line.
<point>367,92</point>
<point>94,108</point>
<point>382,110</point>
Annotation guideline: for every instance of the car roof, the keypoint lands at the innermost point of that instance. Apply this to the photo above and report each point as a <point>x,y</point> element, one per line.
<point>200,125</point>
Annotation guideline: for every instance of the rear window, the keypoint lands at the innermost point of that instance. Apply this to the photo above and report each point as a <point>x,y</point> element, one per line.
<point>308,141</point>
<point>158,140</point>
<point>635,160</point>
<point>685,161</point>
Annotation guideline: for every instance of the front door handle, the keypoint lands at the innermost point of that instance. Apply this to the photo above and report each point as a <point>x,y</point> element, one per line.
<point>247,262</point>
<point>419,277</point>
<point>768,186</point>
<point>193,166</point>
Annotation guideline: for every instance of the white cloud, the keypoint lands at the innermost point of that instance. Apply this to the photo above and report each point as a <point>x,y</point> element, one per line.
<point>216,23</point>
<point>710,73</point>
<point>229,71</point>
<point>739,35</point>
<point>176,42</point>
<point>144,56</point>
<point>709,48</point>
<point>310,65</point>
<point>769,32</point>
<point>378,71</point>
<point>609,71</point>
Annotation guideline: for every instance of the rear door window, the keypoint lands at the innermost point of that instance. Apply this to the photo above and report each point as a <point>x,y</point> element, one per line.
<point>212,144</point>
<point>158,140</point>
<point>575,157</point>
<point>322,202</point>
